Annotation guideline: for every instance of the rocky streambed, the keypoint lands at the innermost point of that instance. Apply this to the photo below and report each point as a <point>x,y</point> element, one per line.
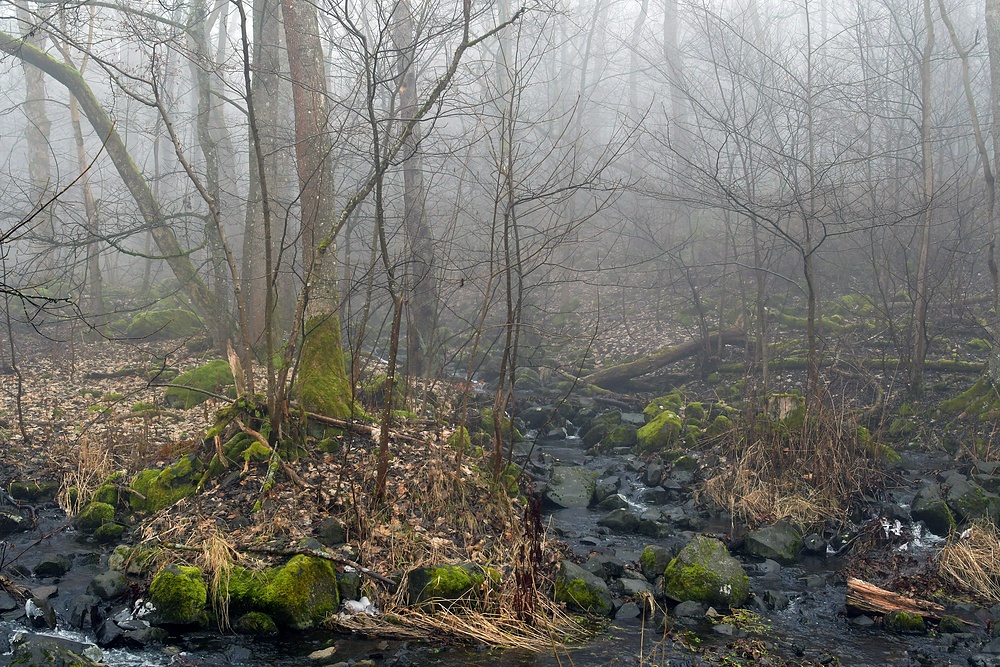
<point>639,539</point>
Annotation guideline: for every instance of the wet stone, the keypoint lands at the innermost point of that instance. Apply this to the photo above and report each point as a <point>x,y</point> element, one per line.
<point>7,603</point>
<point>775,600</point>
<point>814,544</point>
<point>656,496</point>
<point>628,612</point>
<point>45,592</point>
<point>53,566</point>
<point>83,609</point>
<point>108,585</point>
<point>862,621</point>
<point>690,609</point>
<point>613,502</point>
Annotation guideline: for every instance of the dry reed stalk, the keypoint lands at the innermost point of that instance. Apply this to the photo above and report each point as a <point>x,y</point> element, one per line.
<point>94,464</point>
<point>972,560</point>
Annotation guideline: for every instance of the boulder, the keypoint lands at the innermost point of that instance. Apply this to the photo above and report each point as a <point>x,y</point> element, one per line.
<point>444,582</point>
<point>582,591</point>
<point>11,522</point>
<point>969,501</point>
<point>179,594</point>
<point>256,623</point>
<point>663,432</point>
<point>297,595</point>
<point>41,651</point>
<point>704,571</point>
<point>654,561</point>
<point>55,565</point>
<point>571,486</point>
<point>620,521</point>
<point>108,585</point>
<point>929,506</point>
<point>34,492</point>
<point>780,542</point>
<point>215,377</point>
<point>331,532</point>
<point>157,489</point>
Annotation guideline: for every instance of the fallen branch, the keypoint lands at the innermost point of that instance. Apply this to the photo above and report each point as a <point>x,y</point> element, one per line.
<point>356,427</point>
<point>867,597</point>
<point>620,373</point>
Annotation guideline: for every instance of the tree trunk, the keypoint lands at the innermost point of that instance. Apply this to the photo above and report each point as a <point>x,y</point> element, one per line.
<point>323,385</point>
<point>993,43</point>
<point>422,282</point>
<point>927,191</point>
<point>41,185</point>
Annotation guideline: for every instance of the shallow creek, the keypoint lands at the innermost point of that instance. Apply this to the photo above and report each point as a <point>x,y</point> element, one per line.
<point>811,628</point>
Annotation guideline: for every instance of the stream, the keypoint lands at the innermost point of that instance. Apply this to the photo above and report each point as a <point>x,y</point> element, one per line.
<point>811,628</point>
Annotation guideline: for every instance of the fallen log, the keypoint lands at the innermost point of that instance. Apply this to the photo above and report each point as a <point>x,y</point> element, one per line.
<point>867,597</point>
<point>622,372</point>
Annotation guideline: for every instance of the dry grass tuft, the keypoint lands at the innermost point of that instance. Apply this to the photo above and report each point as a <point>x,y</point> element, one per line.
<point>808,474</point>
<point>217,562</point>
<point>94,463</point>
<point>972,560</point>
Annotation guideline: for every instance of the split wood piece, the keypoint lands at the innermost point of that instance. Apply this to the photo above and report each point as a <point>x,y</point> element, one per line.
<point>622,372</point>
<point>867,597</point>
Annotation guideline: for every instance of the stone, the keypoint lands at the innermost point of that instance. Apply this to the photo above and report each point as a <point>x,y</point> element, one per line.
<point>814,545</point>
<point>108,585</point>
<point>40,613</point>
<point>108,634</point>
<point>969,501</point>
<point>621,522</point>
<point>179,594</point>
<point>613,502</point>
<point>629,611</point>
<point>444,582</point>
<point>54,565</point>
<point>775,600</point>
<point>862,621</point>
<point>257,624</point>
<point>37,650</point>
<point>82,611</point>
<point>929,506</point>
<point>11,522</point>
<point>690,609</point>
<point>348,584</point>
<point>323,653</point>
<point>653,474</point>
<point>297,595</point>
<point>780,542</point>
<point>571,486</point>
<point>34,492</point>
<point>331,532</point>
<point>581,590</point>
<point>905,623</point>
<point>633,587</point>
<point>704,571</point>
<point>536,417</point>
<point>654,561</point>
<point>7,602</point>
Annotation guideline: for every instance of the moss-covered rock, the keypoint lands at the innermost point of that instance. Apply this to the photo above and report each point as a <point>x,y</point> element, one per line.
<point>671,402</point>
<point>571,486</point>
<point>93,516</point>
<point>904,623</point>
<point>179,594</point>
<point>969,501</point>
<point>109,533</point>
<point>215,377</point>
<point>582,591</point>
<point>929,506</point>
<point>460,440</point>
<point>719,426</point>
<point>33,492</point>
<point>42,651</point>
<point>297,595</point>
<point>164,324</point>
<point>663,432</point>
<point>654,561</point>
<point>780,542</point>
<point>705,572</point>
<point>506,428</point>
<point>156,489</point>
<point>444,582</point>
<point>256,623</point>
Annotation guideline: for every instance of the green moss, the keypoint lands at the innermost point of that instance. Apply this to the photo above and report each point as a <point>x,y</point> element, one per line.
<point>902,427</point>
<point>459,440</point>
<point>720,425</point>
<point>323,386</point>
<point>33,491</point>
<point>215,377</point>
<point>109,532</point>
<point>694,410</point>
<point>662,432</point>
<point>506,429</point>
<point>905,623</point>
<point>687,578</point>
<point>157,489</point>
<point>577,592</point>
<point>164,324</point>
<point>106,493</point>
<point>257,451</point>
<point>93,516</point>
<point>669,403</point>
<point>297,595</point>
<point>142,408</point>
<point>978,345</point>
<point>373,392</point>
<point>256,623</point>
<point>445,582</point>
<point>179,595</point>
<point>980,401</point>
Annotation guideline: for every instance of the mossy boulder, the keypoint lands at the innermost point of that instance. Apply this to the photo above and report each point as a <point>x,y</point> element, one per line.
<point>42,651</point>
<point>669,403</point>
<point>663,432</point>
<point>156,489</point>
<point>297,595</point>
<point>164,324</point>
<point>719,426</point>
<point>780,542</point>
<point>582,591</point>
<point>969,501</point>
<point>904,623</point>
<point>33,492</point>
<point>653,561</point>
<point>704,571</point>
<point>623,435</point>
<point>571,486</point>
<point>929,506</point>
<point>444,582</point>
<point>93,516</point>
<point>215,377</point>
<point>256,623</point>
<point>460,440</point>
<point>507,430</point>
<point>179,594</point>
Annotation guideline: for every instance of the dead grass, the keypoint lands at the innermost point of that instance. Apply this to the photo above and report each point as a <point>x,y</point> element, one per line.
<point>94,462</point>
<point>807,474</point>
<point>972,560</point>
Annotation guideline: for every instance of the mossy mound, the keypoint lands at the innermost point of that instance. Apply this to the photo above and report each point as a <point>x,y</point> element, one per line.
<point>164,324</point>
<point>444,582</point>
<point>705,572</point>
<point>179,594</point>
<point>298,594</point>
<point>257,624</point>
<point>215,377</point>
<point>673,402</point>
<point>33,492</point>
<point>981,401</point>
<point>663,432</point>
<point>94,516</point>
<point>460,440</point>
<point>904,623</point>
<point>156,489</point>
<point>582,591</point>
